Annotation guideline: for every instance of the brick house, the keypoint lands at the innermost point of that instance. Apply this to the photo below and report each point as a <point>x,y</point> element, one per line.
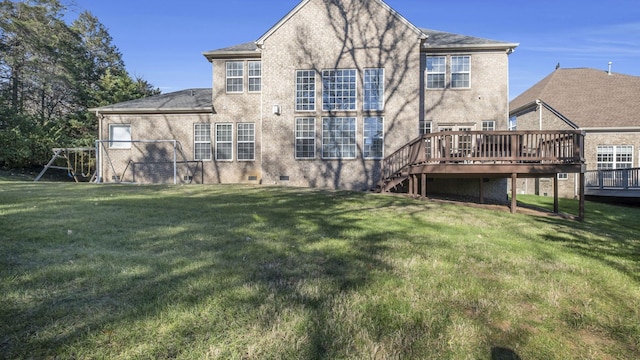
<point>603,104</point>
<point>318,100</point>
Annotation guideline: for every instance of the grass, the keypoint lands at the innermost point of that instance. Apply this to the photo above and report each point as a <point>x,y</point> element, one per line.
<point>236,272</point>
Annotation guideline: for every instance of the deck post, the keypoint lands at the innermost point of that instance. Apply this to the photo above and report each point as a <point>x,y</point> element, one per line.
<point>556,208</point>
<point>514,191</point>
<point>411,181</point>
<point>625,179</point>
<point>481,191</point>
<point>582,195</point>
<point>424,185</point>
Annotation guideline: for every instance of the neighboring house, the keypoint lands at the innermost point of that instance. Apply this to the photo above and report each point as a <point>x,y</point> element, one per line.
<point>603,104</point>
<point>318,100</point>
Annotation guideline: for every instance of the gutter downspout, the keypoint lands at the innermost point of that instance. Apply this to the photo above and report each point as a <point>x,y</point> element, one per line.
<point>262,89</point>
<point>98,155</point>
<point>539,103</point>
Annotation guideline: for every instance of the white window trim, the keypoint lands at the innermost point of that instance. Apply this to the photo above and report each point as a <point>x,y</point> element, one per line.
<point>456,127</point>
<point>614,153</point>
<point>513,123</point>
<point>491,123</point>
<point>423,127</point>
<point>238,141</point>
<point>195,142</point>
<point>364,138</point>
<point>355,90</point>
<point>250,77</point>
<point>444,86</point>
<point>228,77</point>
<point>223,142</point>
<point>314,138</point>
<point>314,83</point>
<point>355,144</point>
<point>460,72</point>
<point>381,73</point>
<point>119,143</point>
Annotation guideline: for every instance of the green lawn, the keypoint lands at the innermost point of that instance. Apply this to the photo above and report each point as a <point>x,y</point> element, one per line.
<point>235,272</point>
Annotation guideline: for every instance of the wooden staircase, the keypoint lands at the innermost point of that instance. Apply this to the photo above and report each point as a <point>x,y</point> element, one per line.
<point>392,184</point>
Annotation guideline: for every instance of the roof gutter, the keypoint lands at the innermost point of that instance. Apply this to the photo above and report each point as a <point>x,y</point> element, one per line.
<point>213,55</point>
<point>120,111</point>
<point>508,47</point>
<point>612,129</point>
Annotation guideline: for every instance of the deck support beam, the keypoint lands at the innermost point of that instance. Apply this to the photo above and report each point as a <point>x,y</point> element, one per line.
<point>411,181</point>
<point>424,185</point>
<point>556,207</point>
<point>514,192</point>
<point>582,195</point>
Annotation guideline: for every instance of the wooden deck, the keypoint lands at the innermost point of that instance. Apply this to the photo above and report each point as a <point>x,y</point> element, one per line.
<point>616,183</point>
<point>485,154</point>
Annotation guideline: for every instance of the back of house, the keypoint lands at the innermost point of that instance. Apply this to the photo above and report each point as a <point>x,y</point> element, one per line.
<point>321,98</point>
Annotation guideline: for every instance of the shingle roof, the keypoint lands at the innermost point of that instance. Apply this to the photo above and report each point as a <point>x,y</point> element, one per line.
<point>441,39</point>
<point>189,100</point>
<point>587,97</point>
<point>435,40</point>
<point>240,49</point>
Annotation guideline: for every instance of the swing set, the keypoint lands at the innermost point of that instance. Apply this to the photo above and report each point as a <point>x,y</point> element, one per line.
<point>80,163</point>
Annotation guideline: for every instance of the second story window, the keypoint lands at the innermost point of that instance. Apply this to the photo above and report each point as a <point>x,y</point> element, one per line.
<point>255,76</point>
<point>339,90</point>
<point>235,76</point>
<point>305,90</point>
<point>461,72</point>
<point>436,72</point>
<point>373,89</point>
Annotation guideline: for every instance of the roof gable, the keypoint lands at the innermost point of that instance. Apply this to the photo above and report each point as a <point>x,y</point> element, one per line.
<point>587,97</point>
<point>433,40</point>
<point>304,3</point>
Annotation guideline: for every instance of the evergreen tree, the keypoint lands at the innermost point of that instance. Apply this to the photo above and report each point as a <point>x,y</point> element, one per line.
<point>50,74</point>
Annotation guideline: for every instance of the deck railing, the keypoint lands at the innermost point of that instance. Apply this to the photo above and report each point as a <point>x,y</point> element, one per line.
<point>614,179</point>
<point>497,147</point>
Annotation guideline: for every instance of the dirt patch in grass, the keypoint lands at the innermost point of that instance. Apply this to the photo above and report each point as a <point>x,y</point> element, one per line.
<point>29,174</point>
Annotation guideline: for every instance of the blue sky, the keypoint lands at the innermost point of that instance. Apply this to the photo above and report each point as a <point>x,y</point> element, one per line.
<point>163,40</point>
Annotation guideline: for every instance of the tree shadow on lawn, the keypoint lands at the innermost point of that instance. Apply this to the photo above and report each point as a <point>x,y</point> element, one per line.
<point>241,251</point>
<point>615,235</point>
